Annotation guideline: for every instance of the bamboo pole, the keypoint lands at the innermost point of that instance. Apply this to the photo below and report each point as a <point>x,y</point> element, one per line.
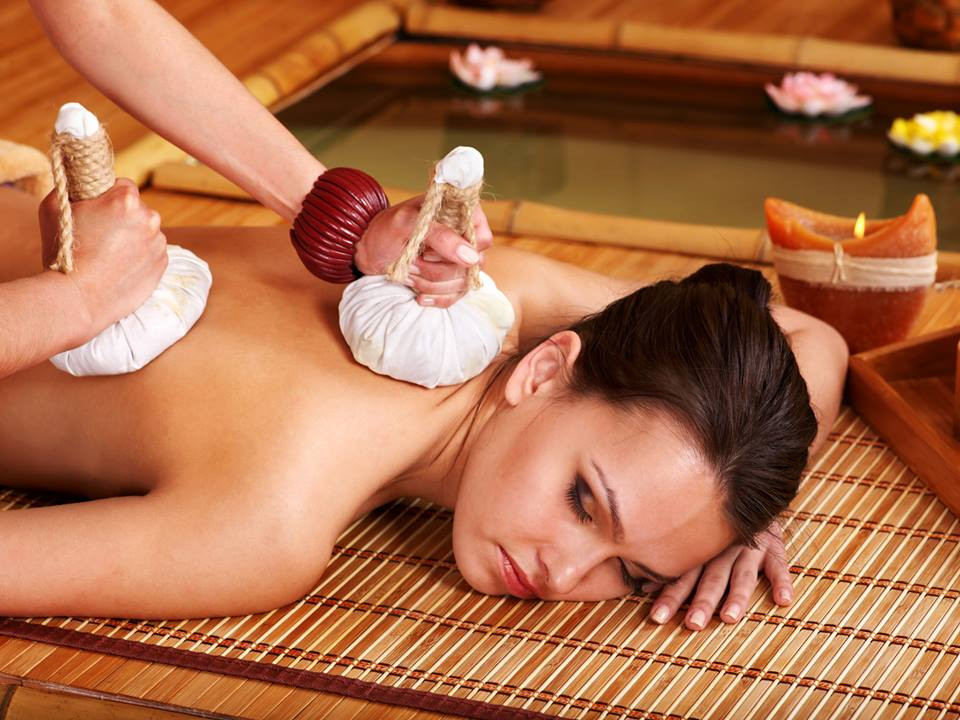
<point>708,44</point>
<point>423,18</point>
<point>885,62</point>
<point>786,51</point>
<point>522,217</point>
<point>744,244</point>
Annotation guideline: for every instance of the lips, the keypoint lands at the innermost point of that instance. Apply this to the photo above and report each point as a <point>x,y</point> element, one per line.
<point>513,577</point>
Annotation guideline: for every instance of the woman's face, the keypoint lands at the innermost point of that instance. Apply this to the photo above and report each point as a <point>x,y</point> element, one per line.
<point>535,516</point>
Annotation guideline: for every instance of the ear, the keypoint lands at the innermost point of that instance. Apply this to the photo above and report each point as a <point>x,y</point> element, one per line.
<point>540,372</point>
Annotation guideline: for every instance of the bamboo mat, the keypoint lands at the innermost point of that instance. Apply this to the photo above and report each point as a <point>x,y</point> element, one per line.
<point>874,630</point>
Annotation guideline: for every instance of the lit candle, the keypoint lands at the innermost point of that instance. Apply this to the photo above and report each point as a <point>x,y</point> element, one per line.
<point>867,279</point>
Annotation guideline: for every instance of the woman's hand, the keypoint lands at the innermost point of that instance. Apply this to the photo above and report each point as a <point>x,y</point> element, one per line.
<point>737,567</point>
<point>120,253</point>
<point>440,275</point>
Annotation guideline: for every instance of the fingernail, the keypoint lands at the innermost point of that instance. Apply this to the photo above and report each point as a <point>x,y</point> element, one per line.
<point>731,612</point>
<point>468,254</point>
<point>659,614</point>
<point>414,270</point>
<point>783,596</point>
<point>696,619</point>
<point>427,301</point>
<point>408,282</point>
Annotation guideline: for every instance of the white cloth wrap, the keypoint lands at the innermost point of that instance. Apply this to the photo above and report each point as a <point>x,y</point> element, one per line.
<point>392,335</point>
<point>462,167</point>
<point>75,119</point>
<point>841,270</point>
<point>165,317</point>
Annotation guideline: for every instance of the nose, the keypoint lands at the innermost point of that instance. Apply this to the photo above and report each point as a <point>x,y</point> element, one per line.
<point>563,570</point>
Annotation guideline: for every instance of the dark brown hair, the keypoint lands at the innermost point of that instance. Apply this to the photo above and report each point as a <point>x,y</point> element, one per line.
<point>707,351</point>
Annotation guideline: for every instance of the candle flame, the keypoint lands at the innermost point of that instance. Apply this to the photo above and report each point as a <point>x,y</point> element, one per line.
<point>860,225</point>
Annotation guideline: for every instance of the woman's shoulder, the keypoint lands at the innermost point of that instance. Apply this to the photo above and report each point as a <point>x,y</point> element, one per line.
<point>548,294</point>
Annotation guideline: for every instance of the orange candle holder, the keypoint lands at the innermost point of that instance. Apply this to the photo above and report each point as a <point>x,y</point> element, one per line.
<point>871,288</point>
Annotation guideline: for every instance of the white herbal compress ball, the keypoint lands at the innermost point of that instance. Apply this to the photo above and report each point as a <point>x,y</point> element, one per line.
<point>165,317</point>
<point>390,333</point>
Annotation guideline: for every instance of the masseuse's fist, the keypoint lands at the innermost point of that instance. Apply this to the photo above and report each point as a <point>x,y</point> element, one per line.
<point>440,275</point>
<point>119,252</point>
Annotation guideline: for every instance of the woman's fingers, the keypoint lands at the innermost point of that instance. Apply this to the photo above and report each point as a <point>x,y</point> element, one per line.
<point>440,275</point>
<point>450,247</point>
<point>733,572</point>
<point>673,595</point>
<point>711,588</point>
<point>743,581</point>
<point>437,271</point>
<point>776,569</point>
<point>442,293</point>
<point>481,228</point>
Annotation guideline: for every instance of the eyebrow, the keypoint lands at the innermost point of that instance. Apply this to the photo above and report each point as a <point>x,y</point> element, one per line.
<point>618,525</point>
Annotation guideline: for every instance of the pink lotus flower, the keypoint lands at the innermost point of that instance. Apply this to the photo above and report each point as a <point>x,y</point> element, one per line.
<point>485,69</point>
<point>811,94</point>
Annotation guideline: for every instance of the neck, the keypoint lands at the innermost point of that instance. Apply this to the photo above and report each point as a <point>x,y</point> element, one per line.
<point>436,475</point>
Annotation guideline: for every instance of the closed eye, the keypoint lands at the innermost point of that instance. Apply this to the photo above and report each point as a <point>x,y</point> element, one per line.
<point>575,493</point>
<point>635,584</point>
<point>574,496</point>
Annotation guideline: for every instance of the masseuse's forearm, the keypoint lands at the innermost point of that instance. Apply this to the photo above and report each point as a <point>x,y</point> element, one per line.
<point>40,316</point>
<point>140,57</point>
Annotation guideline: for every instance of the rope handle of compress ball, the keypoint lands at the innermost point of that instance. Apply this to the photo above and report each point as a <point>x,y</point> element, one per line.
<point>448,205</point>
<point>82,170</point>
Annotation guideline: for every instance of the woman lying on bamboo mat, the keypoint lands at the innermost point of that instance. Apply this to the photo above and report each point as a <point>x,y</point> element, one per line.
<point>645,444</point>
<point>653,442</point>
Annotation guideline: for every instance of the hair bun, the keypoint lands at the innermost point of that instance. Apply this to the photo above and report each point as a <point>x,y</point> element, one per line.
<point>751,283</point>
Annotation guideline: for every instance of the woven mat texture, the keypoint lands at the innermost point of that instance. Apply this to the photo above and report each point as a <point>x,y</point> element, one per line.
<point>874,630</point>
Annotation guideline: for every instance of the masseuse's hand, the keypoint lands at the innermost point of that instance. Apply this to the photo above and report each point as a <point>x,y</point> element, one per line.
<point>440,275</point>
<point>119,252</point>
<point>738,568</point>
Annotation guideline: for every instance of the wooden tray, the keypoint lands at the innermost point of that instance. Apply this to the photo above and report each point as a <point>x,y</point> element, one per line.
<point>910,393</point>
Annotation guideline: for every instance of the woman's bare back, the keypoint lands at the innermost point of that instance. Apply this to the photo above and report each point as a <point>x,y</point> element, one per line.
<point>241,452</point>
<point>263,375</point>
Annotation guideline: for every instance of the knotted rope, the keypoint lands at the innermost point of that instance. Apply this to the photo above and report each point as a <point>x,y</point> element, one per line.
<point>447,205</point>
<point>82,170</point>
<point>839,269</point>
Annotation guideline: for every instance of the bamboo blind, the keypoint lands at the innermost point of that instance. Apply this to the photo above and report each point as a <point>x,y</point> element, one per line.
<point>874,630</point>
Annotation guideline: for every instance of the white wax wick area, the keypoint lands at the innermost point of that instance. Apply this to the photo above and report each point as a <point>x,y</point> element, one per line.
<point>75,119</point>
<point>462,168</point>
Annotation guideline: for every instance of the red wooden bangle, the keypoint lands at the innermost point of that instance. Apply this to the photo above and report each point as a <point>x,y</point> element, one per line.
<point>333,217</point>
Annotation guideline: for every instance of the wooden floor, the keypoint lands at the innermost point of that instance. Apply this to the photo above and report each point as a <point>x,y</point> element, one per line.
<point>35,81</point>
<point>40,681</point>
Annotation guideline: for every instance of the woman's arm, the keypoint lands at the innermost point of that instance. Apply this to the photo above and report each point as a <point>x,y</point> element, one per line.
<point>120,256</point>
<point>822,356</point>
<point>550,295</point>
<point>140,57</point>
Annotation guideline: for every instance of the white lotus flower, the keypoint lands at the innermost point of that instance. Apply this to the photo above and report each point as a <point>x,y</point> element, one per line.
<point>486,69</point>
<point>810,94</point>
